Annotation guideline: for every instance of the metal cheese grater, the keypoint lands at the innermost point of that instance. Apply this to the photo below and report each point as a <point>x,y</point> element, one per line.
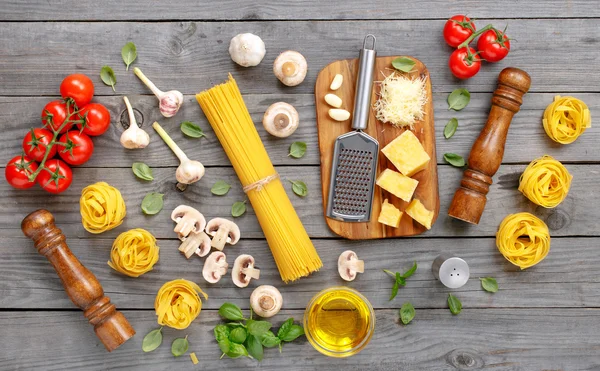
<point>355,154</point>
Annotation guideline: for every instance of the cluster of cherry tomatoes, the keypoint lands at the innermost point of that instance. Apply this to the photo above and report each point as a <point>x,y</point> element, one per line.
<point>68,124</point>
<point>493,45</point>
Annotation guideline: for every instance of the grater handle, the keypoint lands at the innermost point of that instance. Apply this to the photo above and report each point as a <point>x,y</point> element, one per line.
<point>364,85</point>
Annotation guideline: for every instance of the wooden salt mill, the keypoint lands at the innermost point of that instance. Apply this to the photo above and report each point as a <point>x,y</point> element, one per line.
<point>487,151</point>
<point>81,285</point>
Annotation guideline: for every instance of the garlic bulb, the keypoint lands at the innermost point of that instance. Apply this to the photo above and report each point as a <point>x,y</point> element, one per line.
<point>169,102</point>
<point>133,137</point>
<point>247,49</point>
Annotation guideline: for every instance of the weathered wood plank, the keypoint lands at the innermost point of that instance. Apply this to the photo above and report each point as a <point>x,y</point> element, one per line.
<point>575,216</point>
<point>276,10</point>
<point>518,339</point>
<point>563,279</point>
<point>192,56</point>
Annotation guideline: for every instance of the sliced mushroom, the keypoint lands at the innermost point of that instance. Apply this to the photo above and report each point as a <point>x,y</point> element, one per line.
<point>281,119</point>
<point>243,270</point>
<point>222,231</point>
<point>349,265</point>
<point>188,220</point>
<point>266,301</point>
<point>195,243</point>
<point>215,267</point>
<point>290,68</point>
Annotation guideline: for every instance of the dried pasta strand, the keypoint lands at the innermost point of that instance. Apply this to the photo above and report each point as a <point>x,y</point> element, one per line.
<point>523,239</point>
<point>290,245</point>
<point>566,119</point>
<point>177,303</point>
<point>545,182</point>
<point>134,252</point>
<point>102,207</point>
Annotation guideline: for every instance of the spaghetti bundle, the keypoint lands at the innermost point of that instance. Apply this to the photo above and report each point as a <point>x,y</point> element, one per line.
<point>134,252</point>
<point>102,207</point>
<point>523,239</point>
<point>290,245</point>
<point>566,119</point>
<point>545,182</point>
<point>177,303</point>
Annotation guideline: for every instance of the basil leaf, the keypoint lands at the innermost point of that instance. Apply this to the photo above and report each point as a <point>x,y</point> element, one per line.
<point>454,304</point>
<point>411,271</point>
<point>233,325</point>
<point>221,333</point>
<point>191,130</point>
<point>403,64</point>
<point>269,340</point>
<point>129,54</point>
<point>401,281</point>
<point>258,328</point>
<point>152,340</point>
<point>152,203</point>
<point>407,313</point>
<point>180,346</point>
<point>294,332</point>
<point>489,284</point>
<point>224,345</point>
<point>285,328</point>
<point>142,171</point>
<point>220,188</point>
<point>450,128</point>
<point>299,188</point>
<point>297,149</point>
<point>394,290</point>
<point>459,99</point>
<point>108,76</point>
<point>238,209</point>
<point>231,312</point>
<point>238,335</point>
<point>454,159</point>
<point>236,350</point>
<point>255,348</point>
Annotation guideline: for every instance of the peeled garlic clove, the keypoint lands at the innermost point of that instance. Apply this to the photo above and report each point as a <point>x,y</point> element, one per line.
<point>333,100</point>
<point>339,114</point>
<point>337,81</point>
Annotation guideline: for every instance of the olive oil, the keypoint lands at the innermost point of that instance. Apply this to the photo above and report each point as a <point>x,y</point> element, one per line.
<point>339,322</point>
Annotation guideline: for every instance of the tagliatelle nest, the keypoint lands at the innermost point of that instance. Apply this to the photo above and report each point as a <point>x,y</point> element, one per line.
<point>401,100</point>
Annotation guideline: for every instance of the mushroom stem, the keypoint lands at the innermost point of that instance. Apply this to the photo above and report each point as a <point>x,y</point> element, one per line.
<point>356,265</point>
<point>174,147</point>
<point>159,93</point>
<point>251,272</point>
<point>220,238</point>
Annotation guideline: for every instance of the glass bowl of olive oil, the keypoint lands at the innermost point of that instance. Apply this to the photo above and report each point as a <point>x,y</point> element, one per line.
<point>339,322</point>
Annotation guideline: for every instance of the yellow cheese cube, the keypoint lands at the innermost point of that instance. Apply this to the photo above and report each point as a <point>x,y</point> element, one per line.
<point>418,212</point>
<point>389,215</point>
<point>397,184</point>
<point>407,154</point>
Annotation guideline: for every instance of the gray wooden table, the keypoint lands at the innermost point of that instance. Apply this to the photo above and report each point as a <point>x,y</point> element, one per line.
<point>547,317</point>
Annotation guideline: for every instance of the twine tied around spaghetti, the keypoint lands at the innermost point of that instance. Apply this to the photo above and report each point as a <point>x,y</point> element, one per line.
<point>259,184</point>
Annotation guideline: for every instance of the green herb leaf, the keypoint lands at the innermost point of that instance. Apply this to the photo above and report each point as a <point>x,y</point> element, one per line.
<point>236,350</point>
<point>129,54</point>
<point>220,188</point>
<point>394,290</point>
<point>403,64</point>
<point>407,313</point>
<point>299,187</point>
<point>180,346</point>
<point>258,328</point>
<point>233,325</point>
<point>459,99</point>
<point>238,335</point>
<point>489,284</point>
<point>191,130</point>
<point>142,171</point>
<point>238,209</point>
<point>224,345</point>
<point>411,271</point>
<point>401,281</point>
<point>450,128</point>
<point>152,340</point>
<point>294,332</point>
<point>255,348</point>
<point>108,76</point>
<point>454,159</point>
<point>285,328</point>
<point>221,333</point>
<point>231,312</point>
<point>297,149</point>
<point>454,304</point>
<point>269,340</point>
<point>152,203</point>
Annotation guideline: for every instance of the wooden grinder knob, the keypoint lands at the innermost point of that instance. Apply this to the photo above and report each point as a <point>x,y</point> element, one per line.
<point>487,151</point>
<point>81,285</point>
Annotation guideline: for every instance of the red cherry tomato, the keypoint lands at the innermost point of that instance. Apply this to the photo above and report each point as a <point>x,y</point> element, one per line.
<point>35,143</point>
<point>464,63</point>
<point>78,148</point>
<point>56,177</point>
<point>493,45</point>
<point>79,87</point>
<point>54,115</point>
<point>97,119</point>
<point>17,172</point>
<point>458,29</point>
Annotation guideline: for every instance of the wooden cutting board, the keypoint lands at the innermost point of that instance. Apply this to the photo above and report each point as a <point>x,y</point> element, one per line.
<point>328,130</point>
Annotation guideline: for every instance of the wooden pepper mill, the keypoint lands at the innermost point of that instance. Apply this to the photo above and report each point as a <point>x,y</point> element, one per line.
<point>487,151</point>
<point>81,285</point>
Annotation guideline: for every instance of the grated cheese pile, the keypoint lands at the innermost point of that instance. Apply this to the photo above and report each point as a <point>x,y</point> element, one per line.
<point>401,100</point>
